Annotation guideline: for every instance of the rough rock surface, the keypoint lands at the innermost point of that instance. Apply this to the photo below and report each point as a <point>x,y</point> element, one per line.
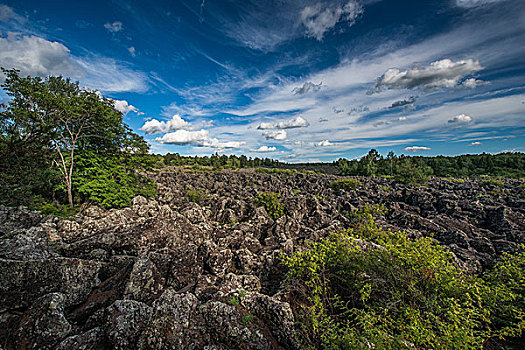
<point>169,273</point>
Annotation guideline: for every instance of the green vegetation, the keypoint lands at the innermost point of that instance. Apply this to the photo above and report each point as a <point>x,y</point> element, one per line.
<point>345,184</point>
<point>270,202</point>
<point>246,319</point>
<point>494,182</point>
<point>370,288</point>
<point>234,301</point>
<point>276,171</point>
<point>403,167</point>
<point>196,196</point>
<point>62,144</point>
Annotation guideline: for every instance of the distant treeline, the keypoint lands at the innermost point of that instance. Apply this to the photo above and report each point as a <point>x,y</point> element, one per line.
<point>373,164</point>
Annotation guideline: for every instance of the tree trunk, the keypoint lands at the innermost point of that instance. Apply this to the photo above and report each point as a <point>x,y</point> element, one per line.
<point>70,195</point>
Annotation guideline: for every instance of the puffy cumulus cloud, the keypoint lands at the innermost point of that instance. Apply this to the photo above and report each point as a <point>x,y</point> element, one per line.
<point>477,143</point>
<point>276,135</point>
<point>114,27</point>
<point>7,14</point>
<point>324,143</point>
<point>308,86</point>
<point>439,74</point>
<point>264,149</point>
<point>472,83</point>
<point>124,107</point>
<point>154,126</point>
<point>199,138</point>
<point>36,56</point>
<point>475,3</point>
<point>462,118</point>
<point>321,17</point>
<point>416,148</point>
<point>132,51</point>
<point>296,122</point>
<point>403,102</point>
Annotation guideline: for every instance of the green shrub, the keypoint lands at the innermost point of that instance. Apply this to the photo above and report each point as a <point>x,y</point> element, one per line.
<point>276,171</point>
<point>399,293</point>
<point>494,182</point>
<point>234,301</point>
<point>196,196</point>
<point>246,319</point>
<point>47,208</point>
<point>109,180</point>
<point>270,202</point>
<point>345,184</point>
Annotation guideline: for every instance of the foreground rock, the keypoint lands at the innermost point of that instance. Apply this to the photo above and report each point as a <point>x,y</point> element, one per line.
<point>172,273</point>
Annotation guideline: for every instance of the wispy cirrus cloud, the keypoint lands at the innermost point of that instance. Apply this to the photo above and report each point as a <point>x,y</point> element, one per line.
<point>476,3</point>
<point>8,14</point>
<point>320,18</point>
<point>114,27</point>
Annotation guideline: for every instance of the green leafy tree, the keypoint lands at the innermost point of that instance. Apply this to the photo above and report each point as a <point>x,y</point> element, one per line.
<point>57,118</point>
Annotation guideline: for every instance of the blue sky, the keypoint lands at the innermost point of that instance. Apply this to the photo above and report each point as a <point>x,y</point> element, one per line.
<point>286,79</point>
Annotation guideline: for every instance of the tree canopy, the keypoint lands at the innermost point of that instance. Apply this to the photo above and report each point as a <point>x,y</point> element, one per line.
<point>51,124</point>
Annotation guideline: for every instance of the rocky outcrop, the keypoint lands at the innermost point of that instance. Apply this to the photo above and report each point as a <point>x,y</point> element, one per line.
<point>170,273</point>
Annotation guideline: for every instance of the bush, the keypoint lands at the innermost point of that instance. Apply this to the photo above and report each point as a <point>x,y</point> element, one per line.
<point>270,202</point>
<point>109,181</point>
<point>370,288</point>
<point>345,184</point>
<point>493,182</point>
<point>196,196</point>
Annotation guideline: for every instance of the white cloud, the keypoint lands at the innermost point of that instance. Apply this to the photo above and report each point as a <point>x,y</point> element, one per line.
<point>472,83</point>
<point>36,56</point>
<point>200,138</point>
<point>276,135</point>
<point>439,74</point>
<point>320,18</point>
<point>107,74</point>
<point>154,126</point>
<point>477,143</point>
<point>462,118</point>
<point>124,107</point>
<point>475,3</point>
<point>114,27</point>
<point>7,14</point>
<point>296,122</point>
<point>308,86</point>
<point>264,149</point>
<point>132,51</point>
<point>416,148</point>
<point>324,143</point>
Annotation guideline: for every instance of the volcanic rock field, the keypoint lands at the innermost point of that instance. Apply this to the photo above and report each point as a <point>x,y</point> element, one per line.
<point>197,267</point>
